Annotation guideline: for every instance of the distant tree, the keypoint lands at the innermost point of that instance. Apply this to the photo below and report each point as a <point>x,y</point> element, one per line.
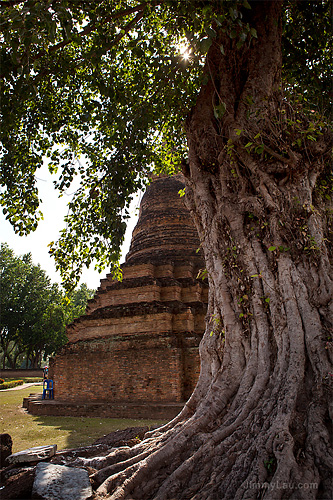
<point>75,302</point>
<point>13,273</point>
<point>52,336</point>
<point>238,93</point>
<point>34,312</point>
<point>43,329</point>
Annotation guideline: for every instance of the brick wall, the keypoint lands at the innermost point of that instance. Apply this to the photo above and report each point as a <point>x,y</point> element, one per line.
<point>141,368</point>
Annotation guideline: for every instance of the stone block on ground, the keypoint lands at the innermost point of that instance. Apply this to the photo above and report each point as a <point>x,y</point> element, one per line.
<point>6,444</point>
<point>58,482</point>
<point>35,454</point>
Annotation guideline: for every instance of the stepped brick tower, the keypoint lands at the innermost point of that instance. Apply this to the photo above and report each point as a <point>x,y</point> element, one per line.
<point>135,351</point>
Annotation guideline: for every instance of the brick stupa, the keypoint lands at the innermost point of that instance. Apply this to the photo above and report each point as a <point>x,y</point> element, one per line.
<point>135,351</point>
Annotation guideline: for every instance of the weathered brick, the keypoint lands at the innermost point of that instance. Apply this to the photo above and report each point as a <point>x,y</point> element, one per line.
<point>136,348</point>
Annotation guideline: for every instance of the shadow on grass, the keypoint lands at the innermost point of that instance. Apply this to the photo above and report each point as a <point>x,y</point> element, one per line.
<point>73,432</point>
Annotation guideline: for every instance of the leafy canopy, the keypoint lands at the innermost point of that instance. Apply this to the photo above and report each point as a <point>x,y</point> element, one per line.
<point>101,89</point>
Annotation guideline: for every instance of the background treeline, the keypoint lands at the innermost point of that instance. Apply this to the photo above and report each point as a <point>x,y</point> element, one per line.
<point>33,312</point>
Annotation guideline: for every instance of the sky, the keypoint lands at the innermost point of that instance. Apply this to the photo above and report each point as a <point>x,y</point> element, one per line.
<point>54,210</point>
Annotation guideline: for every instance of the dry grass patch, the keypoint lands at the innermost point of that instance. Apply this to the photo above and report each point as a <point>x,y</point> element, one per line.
<point>66,432</point>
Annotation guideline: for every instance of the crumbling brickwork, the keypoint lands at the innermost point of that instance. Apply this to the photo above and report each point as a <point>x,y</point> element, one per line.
<point>138,341</point>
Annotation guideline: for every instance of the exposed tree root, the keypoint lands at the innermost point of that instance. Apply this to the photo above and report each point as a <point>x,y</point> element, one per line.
<point>269,439</point>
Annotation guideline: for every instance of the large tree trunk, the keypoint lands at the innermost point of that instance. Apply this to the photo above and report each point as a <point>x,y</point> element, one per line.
<point>257,424</point>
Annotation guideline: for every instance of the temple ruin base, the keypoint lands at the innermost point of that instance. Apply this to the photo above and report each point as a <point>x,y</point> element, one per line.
<point>132,410</point>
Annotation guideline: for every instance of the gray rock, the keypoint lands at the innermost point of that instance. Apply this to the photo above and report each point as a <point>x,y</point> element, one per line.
<point>32,454</point>
<point>58,482</point>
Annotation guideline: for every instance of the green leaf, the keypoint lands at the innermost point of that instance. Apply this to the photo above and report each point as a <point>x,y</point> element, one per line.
<point>283,249</point>
<point>204,45</point>
<point>219,110</point>
<point>233,13</point>
<point>253,32</point>
<point>271,249</point>
<point>211,32</point>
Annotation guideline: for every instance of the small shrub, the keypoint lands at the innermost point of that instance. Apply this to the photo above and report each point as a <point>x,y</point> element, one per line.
<point>9,385</point>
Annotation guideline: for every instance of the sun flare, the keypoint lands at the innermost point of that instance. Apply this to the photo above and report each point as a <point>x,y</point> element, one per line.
<point>185,51</point>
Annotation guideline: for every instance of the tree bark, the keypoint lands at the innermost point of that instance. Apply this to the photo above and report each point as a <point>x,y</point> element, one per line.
<point>257,424</point>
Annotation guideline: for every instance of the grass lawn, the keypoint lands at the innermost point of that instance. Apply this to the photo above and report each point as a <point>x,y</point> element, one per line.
<point>66,432</point>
